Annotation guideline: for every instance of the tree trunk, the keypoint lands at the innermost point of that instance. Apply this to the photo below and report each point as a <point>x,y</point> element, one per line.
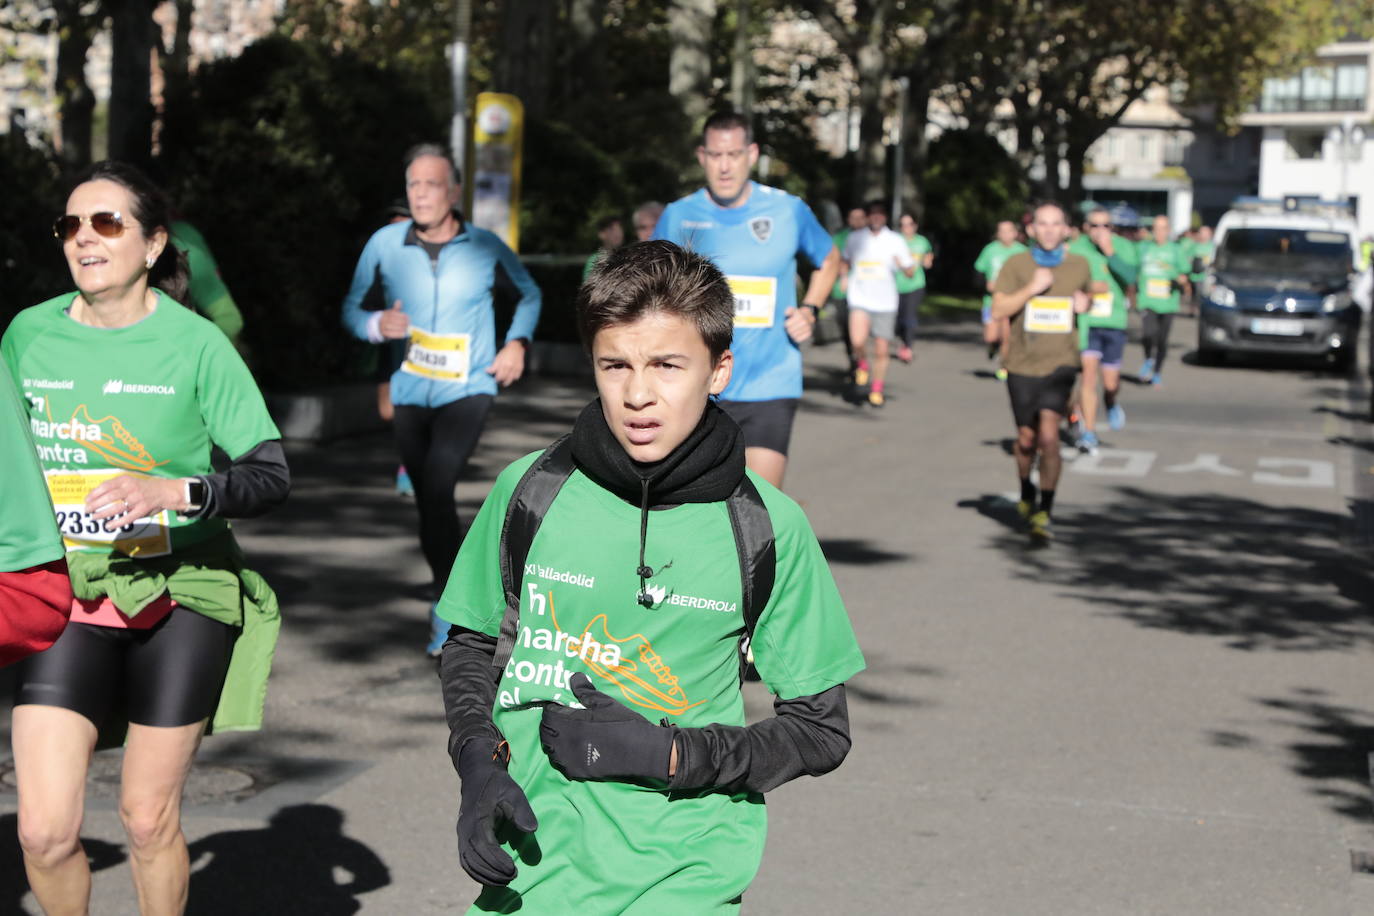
<point>1076,153</point>
<point>914,140</point>
<point>742,62</point>
<point>689,64</point>
<point>871,63</point>
<point>586,72</point>
<point>76,101</point>
<point>131,109</point>
<point>527,36</point>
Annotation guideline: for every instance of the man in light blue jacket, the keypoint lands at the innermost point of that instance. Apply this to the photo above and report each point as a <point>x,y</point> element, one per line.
<point>438,272</point>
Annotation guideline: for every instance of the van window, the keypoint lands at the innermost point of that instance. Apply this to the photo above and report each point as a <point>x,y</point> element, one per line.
<point>1302,249</point>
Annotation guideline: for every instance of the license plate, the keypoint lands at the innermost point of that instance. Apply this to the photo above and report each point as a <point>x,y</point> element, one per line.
<point>1279,327</point>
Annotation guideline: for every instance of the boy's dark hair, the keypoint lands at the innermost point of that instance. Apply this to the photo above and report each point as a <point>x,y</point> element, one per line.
<point>606,222</point>
<point>728,120</point>
<point>876,206</point>
<point>658,276</point>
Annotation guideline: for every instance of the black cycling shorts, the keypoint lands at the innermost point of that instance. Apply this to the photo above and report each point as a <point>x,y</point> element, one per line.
<point>1031,394</point>
<point>766,424</point>
<point>166,676</point>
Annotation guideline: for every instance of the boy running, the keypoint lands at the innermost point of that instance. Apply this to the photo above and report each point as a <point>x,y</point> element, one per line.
<point>610,753</point>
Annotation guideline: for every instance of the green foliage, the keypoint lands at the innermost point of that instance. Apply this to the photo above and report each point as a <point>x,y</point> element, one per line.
<point>970,183</point>
<point>285,163</point>
<point>31,264</point>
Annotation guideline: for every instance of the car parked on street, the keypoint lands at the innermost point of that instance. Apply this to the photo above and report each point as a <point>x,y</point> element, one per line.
<point>1282,281</point>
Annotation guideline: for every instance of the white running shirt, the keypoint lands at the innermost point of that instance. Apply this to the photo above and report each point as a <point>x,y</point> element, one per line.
<point>872,258</point>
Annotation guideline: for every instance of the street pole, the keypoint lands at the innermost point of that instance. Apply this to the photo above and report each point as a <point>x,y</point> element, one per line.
<point>458,128</point>
<point>897,150</point>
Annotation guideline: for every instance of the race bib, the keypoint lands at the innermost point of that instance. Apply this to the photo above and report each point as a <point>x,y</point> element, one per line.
<point>445,357</point>
<point>1102,305</point>
<point>1158,289</point>
<point>142,538</point>
<point>1049,315</point>
<point>756,300</point>
<point>870,270</point>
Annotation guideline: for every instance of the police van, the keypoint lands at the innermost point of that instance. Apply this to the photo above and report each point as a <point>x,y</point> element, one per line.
<point>1283,281</point>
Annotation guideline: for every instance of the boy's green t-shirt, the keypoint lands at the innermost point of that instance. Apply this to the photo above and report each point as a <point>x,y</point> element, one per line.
<point>1160,267</point>
<point>612,847</point>
<point>28,529</point>
<point>920,247</point>
<point>990,261</point>
<point>150,398</point>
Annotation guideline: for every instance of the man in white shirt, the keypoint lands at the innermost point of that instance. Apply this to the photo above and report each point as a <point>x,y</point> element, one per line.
<point>870,257</point>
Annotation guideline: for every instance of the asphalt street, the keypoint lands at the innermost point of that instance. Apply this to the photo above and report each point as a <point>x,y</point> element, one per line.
<point>1166,711</point>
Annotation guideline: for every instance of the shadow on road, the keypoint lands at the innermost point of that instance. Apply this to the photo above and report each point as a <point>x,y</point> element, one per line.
<point>1332,748</point>
<point>853,552</point>
<point>289,866</point>
<point>1256,575</point>
<point>13,882</point>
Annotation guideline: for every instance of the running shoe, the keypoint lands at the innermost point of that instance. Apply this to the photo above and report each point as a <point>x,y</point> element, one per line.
<point>1000,375</point>
<point>1116,416</point>
<point>438,632</point>
<point>904,354</point>
<point>1087,442</point>
<point>403,485</point>
<point>1024,509</point>
<point>1040,527</point>
<point>860,377</point>
<point>1157,381</point>
<point>876,398</point>
<point>1147,370</point>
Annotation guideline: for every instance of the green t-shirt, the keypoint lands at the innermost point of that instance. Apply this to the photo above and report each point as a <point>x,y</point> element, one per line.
<point>593,259</point>
<point>1160,267</point>
<point>207,292</point>
<point>150,398</point>
<point>840,239</point>
<point>1109,309</point>
<point>990,261</point>
<point>28,530</point>
<point>613,847</point>
<point>920,247</point>
<point>1202,253</point>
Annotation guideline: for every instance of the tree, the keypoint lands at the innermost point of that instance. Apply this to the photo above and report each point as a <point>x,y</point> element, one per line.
<point>131,105</point>
<point>690,27</point>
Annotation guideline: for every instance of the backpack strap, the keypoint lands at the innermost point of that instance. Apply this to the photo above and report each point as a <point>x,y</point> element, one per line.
<point>758,558</point>
<point>529,503</point>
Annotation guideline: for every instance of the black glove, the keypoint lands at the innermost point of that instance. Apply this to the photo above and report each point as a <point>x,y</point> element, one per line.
<point>607,740</point>
<point>490,798</point>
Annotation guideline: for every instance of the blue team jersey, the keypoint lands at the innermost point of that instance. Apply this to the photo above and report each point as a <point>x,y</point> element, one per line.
<point>756,247</point>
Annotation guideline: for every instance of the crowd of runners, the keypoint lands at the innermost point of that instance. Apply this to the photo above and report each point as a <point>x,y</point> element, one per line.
<point>134,618</point>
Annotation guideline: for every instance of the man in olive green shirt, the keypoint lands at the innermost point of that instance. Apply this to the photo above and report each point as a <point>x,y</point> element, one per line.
<point>1042,292</point>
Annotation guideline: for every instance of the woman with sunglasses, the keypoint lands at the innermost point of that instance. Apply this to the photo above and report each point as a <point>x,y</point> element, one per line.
<point>127,390</point>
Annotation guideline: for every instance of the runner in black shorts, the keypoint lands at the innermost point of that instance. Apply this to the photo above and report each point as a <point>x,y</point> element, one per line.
<point>169,633</point>
<point>1041,291</point>
<point>765,424</point>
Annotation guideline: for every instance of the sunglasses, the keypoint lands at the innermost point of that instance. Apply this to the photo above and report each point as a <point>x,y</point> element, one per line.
<point>1099,225</point>
<point>110,225</point>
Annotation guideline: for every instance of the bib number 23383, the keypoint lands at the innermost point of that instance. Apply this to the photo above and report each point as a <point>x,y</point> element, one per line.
<point>142,538</point>
<point>445,357</point>
<point>1049,315</point>
<point>755,301</point>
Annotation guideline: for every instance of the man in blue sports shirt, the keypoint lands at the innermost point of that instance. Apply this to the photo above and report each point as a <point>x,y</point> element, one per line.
<point>438,272</point>
<point>753,234</point>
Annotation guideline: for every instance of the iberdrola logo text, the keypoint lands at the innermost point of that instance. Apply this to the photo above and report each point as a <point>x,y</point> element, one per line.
<point>119,386</point>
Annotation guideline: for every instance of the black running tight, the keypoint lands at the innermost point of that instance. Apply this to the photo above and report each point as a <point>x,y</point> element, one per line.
<point>435,444</point>
<point>1155,336</point>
